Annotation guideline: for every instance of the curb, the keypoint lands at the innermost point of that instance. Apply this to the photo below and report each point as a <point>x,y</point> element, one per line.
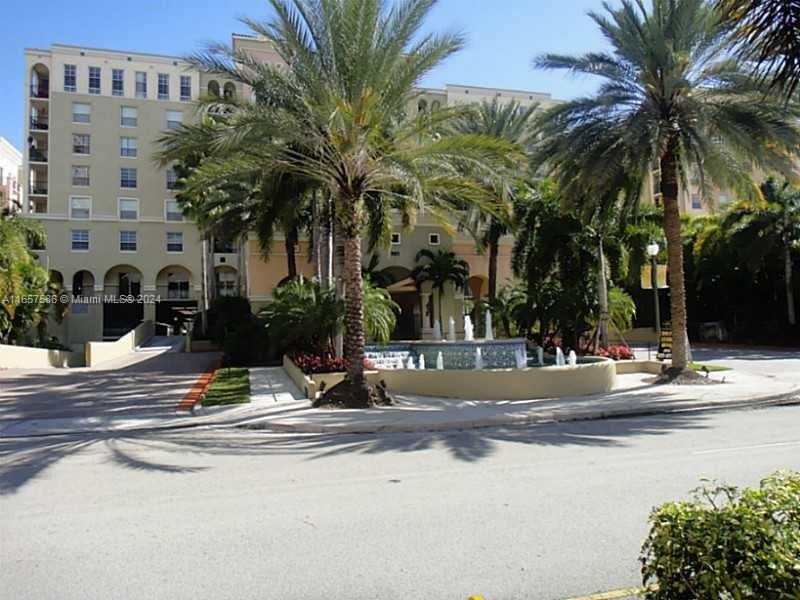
<point>782,399</point>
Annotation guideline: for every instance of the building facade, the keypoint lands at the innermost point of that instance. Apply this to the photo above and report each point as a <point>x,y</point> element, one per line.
<point>115,231</point>
<point>10,177</point>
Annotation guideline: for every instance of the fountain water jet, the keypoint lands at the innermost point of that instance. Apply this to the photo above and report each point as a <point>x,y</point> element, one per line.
<point>437,330</point>
<point>440,362</point>
<point>410,363</point>
<point>422,362</point>
<point>560,357</point>
<point>540,355</point>
<point>478,359</point>
<point>488,325</point>
<point>469,334</point>
<point>451,330</point>
<point>572,358</point>
<point>521,359</point>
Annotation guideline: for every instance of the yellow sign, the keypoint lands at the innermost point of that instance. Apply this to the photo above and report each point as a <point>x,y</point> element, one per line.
<point>661,277</point>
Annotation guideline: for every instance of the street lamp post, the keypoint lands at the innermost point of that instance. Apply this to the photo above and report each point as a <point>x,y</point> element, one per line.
<point>652,251</point>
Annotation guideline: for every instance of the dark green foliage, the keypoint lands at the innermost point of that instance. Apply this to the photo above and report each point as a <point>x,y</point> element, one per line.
<point>226,314</point>
<point>440,268</point>
<point>727,544</point>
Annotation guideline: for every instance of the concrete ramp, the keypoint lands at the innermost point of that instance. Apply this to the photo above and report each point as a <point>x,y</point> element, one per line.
<point>163,343</point>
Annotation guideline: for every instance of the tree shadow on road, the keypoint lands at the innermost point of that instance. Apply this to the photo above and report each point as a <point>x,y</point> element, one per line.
<point>23,461</point>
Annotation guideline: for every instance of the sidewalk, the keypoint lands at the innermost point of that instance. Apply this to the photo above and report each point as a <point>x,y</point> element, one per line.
<point>633,397</point>
<point>277,405</point>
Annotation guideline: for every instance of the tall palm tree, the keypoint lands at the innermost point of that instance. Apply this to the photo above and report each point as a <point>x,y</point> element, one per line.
<point>768,33</point>
<point>440,268</point>
<point>673,98</point>
<point>760,230</point>
<point>336,113</point>
<point>512,122</point>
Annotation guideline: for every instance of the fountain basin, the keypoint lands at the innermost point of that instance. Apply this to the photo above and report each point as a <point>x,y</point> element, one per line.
<point>496,354</point>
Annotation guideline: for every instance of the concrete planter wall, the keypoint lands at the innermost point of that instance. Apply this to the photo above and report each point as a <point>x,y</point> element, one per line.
<point>25,357</point>
<point>597,375</point>
<point>99,352</point>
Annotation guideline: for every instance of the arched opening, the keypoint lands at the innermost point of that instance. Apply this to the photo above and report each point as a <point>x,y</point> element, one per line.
<point>404,291</point>
<point>213,88</point>
<point>229,91</point>
<point>82,287</point>
<point>227,280</point>
<point>435,105</point>
<point>476,290</point>
<point>176,303</point>
<point>422,106</point>
<point>122,309</point>
<point>40,81</point>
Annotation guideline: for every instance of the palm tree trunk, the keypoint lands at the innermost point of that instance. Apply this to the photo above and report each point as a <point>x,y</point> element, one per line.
<point>672,230</point>
<point>354,337</point>
<point>787,269</point>
<point>290,243</point>
<point>439,294</point>
<point>602,294</point>
<point>494,250</point>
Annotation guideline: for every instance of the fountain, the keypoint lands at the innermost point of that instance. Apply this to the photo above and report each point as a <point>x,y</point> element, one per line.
<point>422,362</point>
<point>478,359</point>
<point>410,363</point>
<point>468,329</point>
<point>572,358</point>
<point>540,355</point>
<point>559,357</point>
<point>451,330</point>
<point>437,330</point>
<point>488,325</point>
<point>440,362</point>
<point>520,358</point>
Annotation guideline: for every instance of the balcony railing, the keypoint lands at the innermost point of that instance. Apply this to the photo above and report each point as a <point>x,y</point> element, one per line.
<point>36,155</point>
<point>41,91</point>
<point>39,189</point>
<point>80,181</point>
<point>39,123</point>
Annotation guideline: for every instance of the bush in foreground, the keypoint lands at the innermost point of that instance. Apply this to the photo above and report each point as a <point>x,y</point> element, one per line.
<point>727,543</point>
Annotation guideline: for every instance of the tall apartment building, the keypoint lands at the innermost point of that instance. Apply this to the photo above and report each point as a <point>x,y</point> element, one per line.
<point>10,175</point>
<point>113,226</point>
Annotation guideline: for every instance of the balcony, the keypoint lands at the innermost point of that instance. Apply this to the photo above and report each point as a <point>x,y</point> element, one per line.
<point>39,124</point>
<point>41,90</point>
<point>38,189</point>
<point>80,181</point>
<point>36,155</point>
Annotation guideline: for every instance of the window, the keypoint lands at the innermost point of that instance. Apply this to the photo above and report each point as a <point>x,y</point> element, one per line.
<point>696,205</point>
<point>172,212</point>
<point>80,208</point>
<point>80,239</point>
<point>163,86</point>
<point>80,176</point>
<point>141,84</point>
<point>81,112</point>
<point>127,241</point>
<point>172,179</point>
<point>174,119</point>
<point>128,147</point>
<point>174,241</point>
<point>224,246</point>
<point>128,209</point>
<point>81,143</point>
<point>117,82</point>
<point>127,177</point>
<point>129,116</point>
<point>177,289</point>
<point>94,80</point>
<point>226,283</point>
<point>433,239</point>
<point>69,78</point>
<point>395,239</point>
<point>186,87</point>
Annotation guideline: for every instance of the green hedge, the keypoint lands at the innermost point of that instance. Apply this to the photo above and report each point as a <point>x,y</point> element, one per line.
<point>727,543</point>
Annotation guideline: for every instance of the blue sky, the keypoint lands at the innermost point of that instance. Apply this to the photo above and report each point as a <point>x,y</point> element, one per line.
<point>504,35</point>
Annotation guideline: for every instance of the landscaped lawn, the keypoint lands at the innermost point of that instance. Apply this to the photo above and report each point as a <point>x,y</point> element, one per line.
<point>711,368</point>
<point>231,386</point>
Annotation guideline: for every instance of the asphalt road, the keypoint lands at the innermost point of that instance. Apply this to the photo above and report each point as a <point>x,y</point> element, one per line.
<point>541,512</point>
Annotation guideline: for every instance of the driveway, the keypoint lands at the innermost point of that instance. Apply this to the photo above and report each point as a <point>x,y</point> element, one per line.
<point>145,385</point>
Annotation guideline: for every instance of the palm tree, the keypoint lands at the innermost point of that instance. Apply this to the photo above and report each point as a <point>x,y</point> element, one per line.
<point>336,114</point>
<point>673,98</point>
<point>768,33</point>
<point>440,268</point>
<point>773,227</point>
<point>511,122</point>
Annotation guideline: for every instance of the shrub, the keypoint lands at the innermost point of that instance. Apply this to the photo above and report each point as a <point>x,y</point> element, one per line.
<point>246,343</point>
<point>616,352</point>
<point>226,314</point>
<point>312,363</point>
<point>727,543</point>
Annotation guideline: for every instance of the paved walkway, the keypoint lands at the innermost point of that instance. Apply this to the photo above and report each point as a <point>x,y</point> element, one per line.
<point>633,396</point>
<point>147,386</point>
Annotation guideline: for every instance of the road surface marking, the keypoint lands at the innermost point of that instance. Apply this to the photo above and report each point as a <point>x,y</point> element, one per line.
<point>753,447</point>
<point>614,594</point>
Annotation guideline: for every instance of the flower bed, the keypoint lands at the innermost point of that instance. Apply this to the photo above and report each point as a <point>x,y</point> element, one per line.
<point>310,364</point>
<point>616,352</point>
